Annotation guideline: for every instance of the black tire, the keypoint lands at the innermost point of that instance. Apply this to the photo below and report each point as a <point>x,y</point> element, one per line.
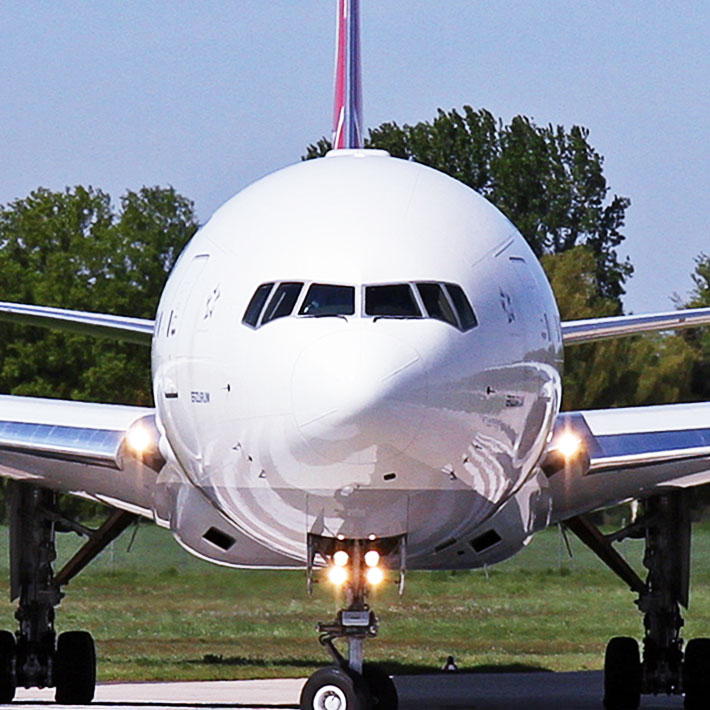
<point>75,668</point>
<point>622,674</point>
<point>382,689</point>
<point>335,684</point>
<point>696,674</point>
<point>8,659</point>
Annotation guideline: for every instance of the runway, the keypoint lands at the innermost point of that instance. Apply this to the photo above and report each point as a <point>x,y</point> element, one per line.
<point>450,691</point>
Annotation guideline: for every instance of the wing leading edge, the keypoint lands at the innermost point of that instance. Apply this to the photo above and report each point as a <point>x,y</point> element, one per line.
<point>132,330</point>
<point>585,331</point>
<point>79,448</point>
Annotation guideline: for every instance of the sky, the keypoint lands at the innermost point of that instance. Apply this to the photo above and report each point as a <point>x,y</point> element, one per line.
<point>209,96</point>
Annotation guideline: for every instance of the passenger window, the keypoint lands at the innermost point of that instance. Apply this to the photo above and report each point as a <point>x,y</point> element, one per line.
<point>325,300</point>
<point>396,300</point>
<point>251,315</point>
<point>462,306</point>
<point>436,303</point>
<point>282,302</point>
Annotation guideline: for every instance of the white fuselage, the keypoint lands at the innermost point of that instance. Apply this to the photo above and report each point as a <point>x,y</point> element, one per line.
<point>356,425</point>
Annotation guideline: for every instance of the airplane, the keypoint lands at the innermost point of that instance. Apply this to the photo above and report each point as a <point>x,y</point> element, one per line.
<point>357,372</point>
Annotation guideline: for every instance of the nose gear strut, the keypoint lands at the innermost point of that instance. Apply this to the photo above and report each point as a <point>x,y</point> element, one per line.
<point>352,684</point>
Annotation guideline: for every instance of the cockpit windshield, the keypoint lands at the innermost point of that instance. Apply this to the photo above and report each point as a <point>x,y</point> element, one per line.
<point>326,300</point>
<point>282,302</point>
<point>462,306</point>
<point>436,303</point>
<point>393,301</point>
<point>445,302</point>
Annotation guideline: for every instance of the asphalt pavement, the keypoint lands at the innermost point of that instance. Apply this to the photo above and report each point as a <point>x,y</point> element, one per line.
<point>444,691</point>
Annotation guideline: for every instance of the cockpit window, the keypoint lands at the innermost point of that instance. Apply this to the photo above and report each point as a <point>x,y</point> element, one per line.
<point>251,315</point>
<point>440,301</point>
<point>282,302</point>
<point>462,306</point>
<point>326,300</point>
<point>395,300</point>
<point>437,303</point>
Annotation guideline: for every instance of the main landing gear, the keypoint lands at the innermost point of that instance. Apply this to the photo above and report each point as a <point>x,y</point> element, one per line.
<point>34,656</point>
<point>351,684</point>
<point>663,667</point>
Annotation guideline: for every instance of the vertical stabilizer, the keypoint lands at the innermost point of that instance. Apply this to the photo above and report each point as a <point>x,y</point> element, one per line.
<point>347,115</point>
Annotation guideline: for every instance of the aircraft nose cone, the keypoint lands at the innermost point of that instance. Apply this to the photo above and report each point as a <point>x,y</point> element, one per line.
<point>359,397</point>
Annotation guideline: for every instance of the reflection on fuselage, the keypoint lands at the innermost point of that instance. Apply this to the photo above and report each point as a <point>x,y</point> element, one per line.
<point>419,407</point>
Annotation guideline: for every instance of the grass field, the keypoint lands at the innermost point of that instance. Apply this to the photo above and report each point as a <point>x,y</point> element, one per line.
<point>157,613</point>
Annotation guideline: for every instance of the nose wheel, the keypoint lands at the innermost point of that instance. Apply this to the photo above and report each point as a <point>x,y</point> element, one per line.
<point>335,689</point>
<point>350,684</point>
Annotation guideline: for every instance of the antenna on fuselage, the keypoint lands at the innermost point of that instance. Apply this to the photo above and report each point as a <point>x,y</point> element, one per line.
<point>347,114</point>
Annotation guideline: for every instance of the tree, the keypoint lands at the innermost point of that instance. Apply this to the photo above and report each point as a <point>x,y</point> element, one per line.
<point>549,182</point>
<point>72,249</point>
<point>650,369</point>
<point>699,339</point>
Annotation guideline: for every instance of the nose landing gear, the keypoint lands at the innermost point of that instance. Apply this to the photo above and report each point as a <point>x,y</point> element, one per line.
<point>351,684</point>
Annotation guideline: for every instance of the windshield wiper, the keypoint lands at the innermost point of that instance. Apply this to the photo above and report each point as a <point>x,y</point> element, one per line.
<point>325,315</point>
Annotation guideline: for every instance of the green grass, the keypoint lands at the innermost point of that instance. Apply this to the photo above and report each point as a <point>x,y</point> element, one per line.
<point>157,613</point>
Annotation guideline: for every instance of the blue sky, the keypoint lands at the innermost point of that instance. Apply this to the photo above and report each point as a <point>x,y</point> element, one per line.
<point>209,96</point>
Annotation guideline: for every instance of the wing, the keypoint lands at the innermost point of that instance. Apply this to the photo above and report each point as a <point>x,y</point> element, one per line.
<point>81,448</point>
<point>584,331</point>
<point>627,453</point>
<point>132,330</point>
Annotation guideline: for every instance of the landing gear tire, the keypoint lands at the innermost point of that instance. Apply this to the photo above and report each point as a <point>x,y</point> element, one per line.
<point>696,674</point>
<point>8,657</point>
<point>622,674</point>
<point>381,687</point>
<point>335,689</point>
<point>75,668</point>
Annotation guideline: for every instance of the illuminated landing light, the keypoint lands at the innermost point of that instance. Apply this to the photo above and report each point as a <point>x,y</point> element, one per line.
<point>568,444</point>
<point>374,576</point>
<point>372,558</point>
<point>341,558</point>
<point>138,439</point>
<point>338,576</point>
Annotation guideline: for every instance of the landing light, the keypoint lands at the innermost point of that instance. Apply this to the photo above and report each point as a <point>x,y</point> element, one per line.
<point>568,444</point>
<point>341,558</point>
<point>138,439</point>
<point>375,575</point>
<point>338,575</point>
<point>372,558</point>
